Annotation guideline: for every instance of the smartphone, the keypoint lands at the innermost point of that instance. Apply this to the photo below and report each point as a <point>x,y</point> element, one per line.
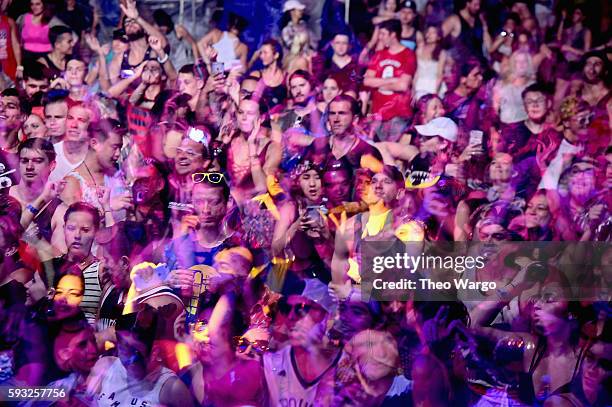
<point>313,213</point>
<point>217,68</point>
<point>179,206</point>
<point>476,138</point>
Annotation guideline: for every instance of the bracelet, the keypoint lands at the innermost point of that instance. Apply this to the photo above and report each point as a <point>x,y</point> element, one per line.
<point>20,67</point>
<point>163,60</point>
<point>32,209</point>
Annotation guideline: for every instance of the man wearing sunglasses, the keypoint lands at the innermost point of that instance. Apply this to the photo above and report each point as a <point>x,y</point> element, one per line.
<point>202,234</point>
<point>576,118</point>
<point>301,373</point>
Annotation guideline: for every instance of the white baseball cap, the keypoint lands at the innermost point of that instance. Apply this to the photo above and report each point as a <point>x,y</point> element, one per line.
<point>440,126</point>
<point>293,4</point>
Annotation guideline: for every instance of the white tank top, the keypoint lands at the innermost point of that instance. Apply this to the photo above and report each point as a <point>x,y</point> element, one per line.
<point>226,51</point>
<point>511,108</point>
<point>115,391</point>
<point>285,388</point>
<point>426,77</point>
<point>62,166</point>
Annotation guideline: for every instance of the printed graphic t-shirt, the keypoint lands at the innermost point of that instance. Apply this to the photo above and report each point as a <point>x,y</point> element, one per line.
<point>388,103</point>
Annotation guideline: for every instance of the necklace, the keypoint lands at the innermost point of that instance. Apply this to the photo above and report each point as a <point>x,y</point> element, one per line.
<point>91,175</point>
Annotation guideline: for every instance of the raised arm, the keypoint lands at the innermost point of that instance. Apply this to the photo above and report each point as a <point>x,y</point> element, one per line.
<point>131,11</point>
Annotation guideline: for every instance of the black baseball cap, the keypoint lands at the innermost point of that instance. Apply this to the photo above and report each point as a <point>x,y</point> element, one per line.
<point>409,4</point>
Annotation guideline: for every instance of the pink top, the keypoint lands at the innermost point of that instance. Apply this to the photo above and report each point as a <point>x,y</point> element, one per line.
<point>35,36</point>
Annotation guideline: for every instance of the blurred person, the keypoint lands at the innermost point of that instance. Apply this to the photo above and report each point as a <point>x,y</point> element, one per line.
<point>408,16</point>
<point>390,75</point>
<point>507,100</point>
<point>342,65</point>
<point>431,59</point>
<point>81,222</point>
<point>270,56</point>
<point>343,141</point>
<point>203,233</point>
<point>302,231</point>
<point>34,127</point>
<point>133,376</point>
<point>230,50</point>
<point>308,363</point>
<point>385,192</point>
<point>34,27</point>
<point>222,374</point>
<point>10,56</point>
<point>35,79</point>
<point>71,150</point>
<point>56,111</point>
<point>251,154</point>
<point>79,16</point>
<point>61,40</point>
<point>575,117</point>
<point>36,195</point>
<point>329,90</point>
<point>464,103</point>
<point>574,38</point>
<point>142,101</point>
<point>552,328</point>
<point>594,72</point>
<point>145,42</point>
<point>372,362</point>
<point>12,116</point>
<point>301,111</point>
<point>75,352</point>
<point>468,30</point>
<point>296,26</point>
<point>183,47</point>
<point>98,179</point>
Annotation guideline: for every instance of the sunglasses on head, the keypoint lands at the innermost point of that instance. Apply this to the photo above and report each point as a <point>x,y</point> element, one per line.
<point>242,344</point>
<point>212,177</point>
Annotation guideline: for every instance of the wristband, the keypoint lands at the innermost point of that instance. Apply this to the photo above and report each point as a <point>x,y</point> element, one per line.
<point>32,209</point>
<point>20,67</point>
<point>163,60</point>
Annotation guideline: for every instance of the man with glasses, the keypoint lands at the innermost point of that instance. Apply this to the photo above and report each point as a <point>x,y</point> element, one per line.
<point>575,116</point>
<point>301,373</point>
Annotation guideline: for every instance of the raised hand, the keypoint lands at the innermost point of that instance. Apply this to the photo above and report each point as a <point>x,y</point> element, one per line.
<point>93,44</point>
<point>130,10</point>
<point>156,45</point>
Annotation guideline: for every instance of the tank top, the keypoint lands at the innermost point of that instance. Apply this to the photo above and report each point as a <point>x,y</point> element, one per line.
<point>92,293</point>
<point>35,37</point>
<point>226,50</point>
<point>471,38</point>
<point>62,166</point>
<point>410,41</point>
<point>426,77</point>
<point>115,390</point>
<point>7,57</point>
<point>125,61</point>
<point>511,108</point>
<point>285,386</point>
<point>54,70</point>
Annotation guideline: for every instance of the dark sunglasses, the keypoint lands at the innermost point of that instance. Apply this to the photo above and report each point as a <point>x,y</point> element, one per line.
<point>212,177</point>
<point>242,344</point>
<point>300,309</point>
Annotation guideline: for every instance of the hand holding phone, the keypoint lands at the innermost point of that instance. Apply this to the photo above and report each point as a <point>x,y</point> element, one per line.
<point>217,68</point>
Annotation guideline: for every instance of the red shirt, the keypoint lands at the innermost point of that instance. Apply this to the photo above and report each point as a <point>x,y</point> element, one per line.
<point>387,103</point>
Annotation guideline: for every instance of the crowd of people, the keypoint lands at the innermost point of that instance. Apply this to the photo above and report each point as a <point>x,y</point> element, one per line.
<point>183,220</point>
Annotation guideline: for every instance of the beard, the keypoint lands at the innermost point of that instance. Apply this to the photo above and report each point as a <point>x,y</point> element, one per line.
<point>136,36</point>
